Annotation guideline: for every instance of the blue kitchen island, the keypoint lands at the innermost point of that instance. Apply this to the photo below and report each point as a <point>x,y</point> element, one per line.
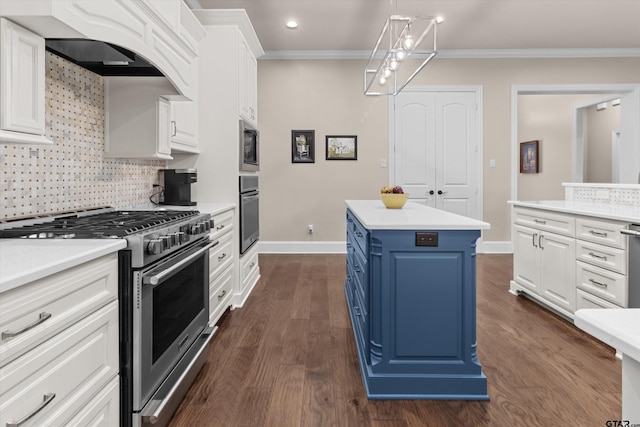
<point>411,293</point>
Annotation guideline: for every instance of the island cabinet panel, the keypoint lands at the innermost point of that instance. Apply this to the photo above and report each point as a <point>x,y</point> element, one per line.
<point>415,327</point>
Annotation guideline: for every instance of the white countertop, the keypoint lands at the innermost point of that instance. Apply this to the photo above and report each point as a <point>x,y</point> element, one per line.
<point>609,211</point>
<point>413,216</point>
<point>25,260</point>
<point>617,327</point>
<point>211,208</point>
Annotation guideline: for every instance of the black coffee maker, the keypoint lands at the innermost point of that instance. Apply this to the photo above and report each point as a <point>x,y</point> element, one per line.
<point>177,186</point>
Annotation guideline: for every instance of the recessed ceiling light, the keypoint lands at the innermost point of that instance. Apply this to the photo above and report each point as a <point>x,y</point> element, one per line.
<point>292,24</point>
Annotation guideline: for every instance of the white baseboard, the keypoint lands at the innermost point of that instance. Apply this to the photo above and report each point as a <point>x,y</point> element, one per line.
<point>497,247</point>
<point>302,247</point>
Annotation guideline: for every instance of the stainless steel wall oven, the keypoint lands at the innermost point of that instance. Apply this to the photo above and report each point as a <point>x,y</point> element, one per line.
<point>249,212</point>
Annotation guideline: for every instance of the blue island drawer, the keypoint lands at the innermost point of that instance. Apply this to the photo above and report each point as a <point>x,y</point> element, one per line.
<point>360,323</point>
<point>360,270</point>
<point>360,234</point>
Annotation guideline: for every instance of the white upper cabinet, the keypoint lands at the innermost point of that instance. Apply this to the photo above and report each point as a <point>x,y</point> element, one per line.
<point>166,32</point>
<point>184,126</point>
<point>248,84</point>
<point>231,36</point>
<point>22,89</point>
<point>138,117</point>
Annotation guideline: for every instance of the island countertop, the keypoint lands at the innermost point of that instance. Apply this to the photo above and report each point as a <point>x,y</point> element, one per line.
<point>413,216</point>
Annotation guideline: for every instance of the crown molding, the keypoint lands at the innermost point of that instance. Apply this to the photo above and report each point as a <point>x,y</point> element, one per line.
<point>464,53</point>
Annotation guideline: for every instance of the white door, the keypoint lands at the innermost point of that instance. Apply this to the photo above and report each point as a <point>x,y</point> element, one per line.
<point>436,153</point>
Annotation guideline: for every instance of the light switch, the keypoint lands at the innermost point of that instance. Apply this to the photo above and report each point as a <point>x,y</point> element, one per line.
<point>492,163</point>
<point>383,163</point>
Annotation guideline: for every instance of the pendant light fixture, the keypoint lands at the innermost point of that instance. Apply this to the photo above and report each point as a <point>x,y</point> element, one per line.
<point>410,43</point>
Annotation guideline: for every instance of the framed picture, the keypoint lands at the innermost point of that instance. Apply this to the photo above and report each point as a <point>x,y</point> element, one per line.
<point>303,146</point>
<point>342,147</point>
<point>529,159</point>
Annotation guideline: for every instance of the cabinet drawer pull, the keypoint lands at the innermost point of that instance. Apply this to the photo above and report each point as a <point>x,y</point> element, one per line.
<point>540,241</point>
<point>602,285</point>
<point>603,258</point>
<point>41,318</point>
<point>174,128</point>
<point>539,221</point>
<point>357,269</point>
<point>598,233</point>
<point>359,234</point>
<point>220,227</point>
<point>357,310</point>
<point>47,399</point>
<point>224,292</point>
<point>252,264</point>
<point>533,240</point>
<point>221,257</point>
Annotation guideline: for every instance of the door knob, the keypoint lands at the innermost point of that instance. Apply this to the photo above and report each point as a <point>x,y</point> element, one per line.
<point>440,192</point>
<point>431,192</point>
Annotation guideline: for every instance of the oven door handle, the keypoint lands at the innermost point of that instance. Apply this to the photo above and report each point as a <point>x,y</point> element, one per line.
<point>158,278</point>
<point>632,233</point>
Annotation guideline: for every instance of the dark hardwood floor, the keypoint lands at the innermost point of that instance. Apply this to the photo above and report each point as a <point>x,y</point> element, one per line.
<point>288,358</point>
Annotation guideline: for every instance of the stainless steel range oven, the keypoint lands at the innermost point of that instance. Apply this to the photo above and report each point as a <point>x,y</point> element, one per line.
<point>170,314</point>
<point>163,300</point>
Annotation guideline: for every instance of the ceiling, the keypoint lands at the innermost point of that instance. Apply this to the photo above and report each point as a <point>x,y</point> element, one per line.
<point>491,25</point>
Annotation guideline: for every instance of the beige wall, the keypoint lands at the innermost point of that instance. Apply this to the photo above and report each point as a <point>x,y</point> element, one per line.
<point>547,119</point>
<point>326,95</point>
<point>599,128</point>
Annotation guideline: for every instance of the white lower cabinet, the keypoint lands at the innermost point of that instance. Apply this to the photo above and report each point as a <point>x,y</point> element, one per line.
<point>569,261</point>
<point>601,263</point>
<point>102,411</point>
<point>545,266</point>
<point>51,383</point>
<point>222,265</point>
<point>59,347</point>
<point>544,259</point>
<point>249,275</point>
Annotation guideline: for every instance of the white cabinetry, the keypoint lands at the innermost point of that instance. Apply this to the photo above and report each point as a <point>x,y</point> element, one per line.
<point>601,266</point>
<point>59,355</point>
<point>221,265</point>
<point>249,274</point>
<point>22,89</point>
<point>164,32</point>
<point>224,75</point>
<point>138,117</point>
<point>184,126</point>
<point>569,261</point>
<point>248,85</point>
<point>544,258</point>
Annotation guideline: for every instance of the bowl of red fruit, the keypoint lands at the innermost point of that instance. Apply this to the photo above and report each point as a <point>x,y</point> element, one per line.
<point>393,197</point>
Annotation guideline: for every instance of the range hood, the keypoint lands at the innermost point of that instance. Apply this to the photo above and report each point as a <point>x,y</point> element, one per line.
<point>102,58</point>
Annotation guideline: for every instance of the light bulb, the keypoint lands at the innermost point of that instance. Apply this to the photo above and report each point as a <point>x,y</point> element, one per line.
<point>387,72</point>
<point>408,42</point>
<point>383,80</point>
<point>400,55</point>
<point>393,64</point>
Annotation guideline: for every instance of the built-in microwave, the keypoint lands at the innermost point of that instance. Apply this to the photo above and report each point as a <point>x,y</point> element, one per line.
<point>249,147</point>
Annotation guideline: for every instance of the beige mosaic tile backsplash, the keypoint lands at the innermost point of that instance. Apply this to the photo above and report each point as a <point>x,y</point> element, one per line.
<point>72,173</point>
